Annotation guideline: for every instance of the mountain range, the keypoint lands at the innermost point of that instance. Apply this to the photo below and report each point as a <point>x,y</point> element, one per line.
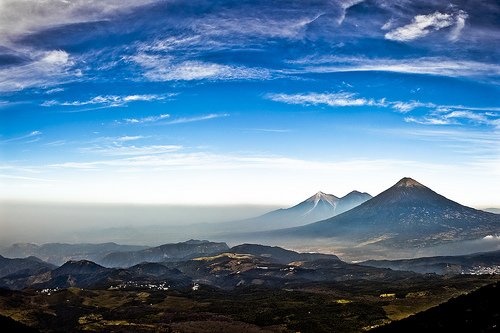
<point>30,265</point>
<point>407,214</point>
<point>163,253</point>
<point>226,268</point>
<point>246,288</point>
<point>59,253</point>
<point>318,207</point>
<point>477,263</point>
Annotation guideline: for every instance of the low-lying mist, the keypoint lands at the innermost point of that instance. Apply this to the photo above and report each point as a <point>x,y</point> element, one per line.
<point>39,222</point>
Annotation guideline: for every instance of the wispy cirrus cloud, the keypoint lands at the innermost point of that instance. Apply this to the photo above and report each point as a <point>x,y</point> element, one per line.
<point>457,117</point>
<point>428,121</point>
<point>132,150</point>
<point>20,17</point>
<point>184,120</point>
<point>167,68</point>
<point>422,25</point>
<point>30,136</point>
<point>163,119</point>
<point>111,100</point>
<point>435,114</point>
<point>127,138</point>
<point>257,24</point>
<point>330,99</point>
<point>405,107</point>
<point>150,119</point>
<point>46,69</point>
<point>440,66</point>
<point>199,160</point>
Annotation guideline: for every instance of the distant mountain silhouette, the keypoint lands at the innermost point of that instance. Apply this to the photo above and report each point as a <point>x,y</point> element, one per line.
<point>29,265</point>
<point>166,252</point>
<point>407,213</point>
<point>74,267</point>
<point>243,265</point>
<point>318,207</point>
<point>477,263</point>
<point>59,253</point>
<point>278,254</point>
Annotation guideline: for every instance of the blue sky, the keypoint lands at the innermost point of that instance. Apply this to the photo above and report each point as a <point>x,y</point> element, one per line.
<point>261,102</point>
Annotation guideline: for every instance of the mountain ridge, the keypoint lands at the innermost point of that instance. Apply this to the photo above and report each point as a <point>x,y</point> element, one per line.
<point>317,207</point>
<point>406,212</point>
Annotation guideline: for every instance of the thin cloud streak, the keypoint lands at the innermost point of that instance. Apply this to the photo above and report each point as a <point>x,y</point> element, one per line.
<point>428,65</point>
<point>436,114</point>
<point>110,100</point>
<point>22,137</point>
<point>195,119</point>
<point>119,150</point>
<point>150,119</point>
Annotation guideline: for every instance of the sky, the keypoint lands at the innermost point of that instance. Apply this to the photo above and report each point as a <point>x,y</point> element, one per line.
<point>247,102</point>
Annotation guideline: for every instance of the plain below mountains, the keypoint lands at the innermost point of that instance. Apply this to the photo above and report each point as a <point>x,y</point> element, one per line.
<point>407,214</point>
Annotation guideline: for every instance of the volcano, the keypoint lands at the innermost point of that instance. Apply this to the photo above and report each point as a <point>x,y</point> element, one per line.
<point>406,213</point>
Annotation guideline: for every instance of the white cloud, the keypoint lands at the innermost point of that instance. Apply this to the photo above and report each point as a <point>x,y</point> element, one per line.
<point>459,25</point>
<point>119,150</point>
<point>428,65</point>
<point>32,135</point>
<point>176,157</point>
<point>436,114</point>
<point>57,57</point>
<point>21,17</point>
<point>56,143</point>
<point>140,174</point>
<point>44,70</point>
<point>405,107</point>
<point>345,5</point>
<point>278,24</point>
<point>110,100</point>
<point>149,119</point>
<point>197,118</point>
<point>172,43</point>
<point>388,25</point>
<point>14,177</point>
<point>428,121</point>
<point>164,68</point>
<point>162,119</point>
<point>457,117</point>
<point>422,25</point>
<point>126,138</point>
<point>53,91</point>
<point>330,99</point>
